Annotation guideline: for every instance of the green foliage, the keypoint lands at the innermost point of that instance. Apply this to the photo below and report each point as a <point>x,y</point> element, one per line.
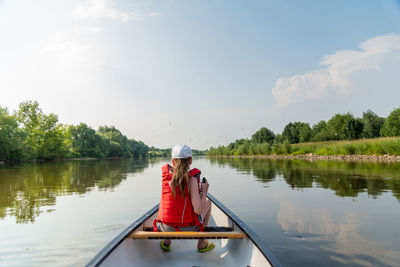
<point>30,134</point>
<point>265,149</point>
<point>377,146</point>
<point>11,137</point>
<point>297,132</point>
<point>294,138</point>
<point>86,142</point>
<point>52,145</point>
<point>137,148</point>
<point>116,142</point>
<point>243,149</point>
<point>391,126</point>
<point>44,138</point>
<point>344,127</point>
<point>372,124</point>
<point>349,149</point>
<point>279,139</point>
<point>319,132</point>
<point>28,114</point>
<point>277,147</point>
<point>156,152</point>
<point>263,135</point>
<point>286,147</point>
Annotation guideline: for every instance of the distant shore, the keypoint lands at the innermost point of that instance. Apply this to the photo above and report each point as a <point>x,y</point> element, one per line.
<point>311,156</point>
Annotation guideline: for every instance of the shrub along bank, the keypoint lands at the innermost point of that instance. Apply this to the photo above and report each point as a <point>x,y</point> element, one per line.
<point>343,134</point>
<point>376,146</point>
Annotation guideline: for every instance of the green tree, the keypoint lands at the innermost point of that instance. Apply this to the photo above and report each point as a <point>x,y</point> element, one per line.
<point>239,142</point>
<point>28,114</point>
<point>265,149</point>
<point>116,143</point>
<point>305,132</point>
<point>263,135</point>
<point>227,151</point>
<point>51,143</point>
<point>286,147</point>
<point>252,149</point>
<point>67,140</point>
<point>355,127</point>
<point>344,127</point>
<point>44,137</point>
<point>372,124</point>
<point>277,147</point>
<point>11,137</point>
<point>391,126</point>
<point>297,132</point>
<point>243,149</point>
<point>279,139</point>
<point>137,148</point>
<point>86,142</point>
<point>319,132</point>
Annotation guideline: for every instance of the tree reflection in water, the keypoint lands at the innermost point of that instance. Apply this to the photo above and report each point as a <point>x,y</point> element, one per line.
<point>346,179</point>
<point>25,188</point>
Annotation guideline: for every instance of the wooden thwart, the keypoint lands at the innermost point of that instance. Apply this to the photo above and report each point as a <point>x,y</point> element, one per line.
<point>186,235</point>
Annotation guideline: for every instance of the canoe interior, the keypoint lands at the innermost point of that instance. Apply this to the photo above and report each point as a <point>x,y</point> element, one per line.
<point>147,252</point>
<point>228,252</point>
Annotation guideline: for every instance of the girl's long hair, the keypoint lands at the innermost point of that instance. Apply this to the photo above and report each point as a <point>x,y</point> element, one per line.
<point>180,176</point>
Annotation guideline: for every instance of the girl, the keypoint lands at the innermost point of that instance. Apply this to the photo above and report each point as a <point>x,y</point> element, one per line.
<point>182,207</point>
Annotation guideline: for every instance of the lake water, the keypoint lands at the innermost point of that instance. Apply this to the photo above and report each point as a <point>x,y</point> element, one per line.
<point>317,213</point>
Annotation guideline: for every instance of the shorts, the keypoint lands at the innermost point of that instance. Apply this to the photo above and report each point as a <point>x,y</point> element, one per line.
<point>168,228</point>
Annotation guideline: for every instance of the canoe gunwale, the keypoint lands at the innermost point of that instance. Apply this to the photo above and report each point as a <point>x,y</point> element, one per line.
<point>102,255</point>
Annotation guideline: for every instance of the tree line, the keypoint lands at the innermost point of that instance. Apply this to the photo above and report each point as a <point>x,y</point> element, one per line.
<point>29,134</point>
<point>339,127</point>
<point>166,152</point>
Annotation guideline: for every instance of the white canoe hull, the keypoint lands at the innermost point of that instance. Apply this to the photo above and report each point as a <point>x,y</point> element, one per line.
<point>126,251</point>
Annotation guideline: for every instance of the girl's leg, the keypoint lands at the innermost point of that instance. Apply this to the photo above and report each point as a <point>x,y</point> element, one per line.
<point>206,214</point>
<point>161,228</point>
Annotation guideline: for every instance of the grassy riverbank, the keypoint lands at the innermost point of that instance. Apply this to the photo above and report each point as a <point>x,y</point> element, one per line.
<point>375,146</point>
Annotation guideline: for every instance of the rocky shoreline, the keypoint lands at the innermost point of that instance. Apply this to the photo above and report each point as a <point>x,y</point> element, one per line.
<point>311,156</point>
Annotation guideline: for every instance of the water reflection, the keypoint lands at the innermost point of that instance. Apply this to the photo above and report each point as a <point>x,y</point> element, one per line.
<point>346,179</point>
<point>328,213</point>
<point>309,213</point>
<point>24,189</point>
<point>338,235</point>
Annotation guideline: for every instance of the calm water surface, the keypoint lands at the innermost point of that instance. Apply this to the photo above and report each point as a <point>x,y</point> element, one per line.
<point>308,213</point>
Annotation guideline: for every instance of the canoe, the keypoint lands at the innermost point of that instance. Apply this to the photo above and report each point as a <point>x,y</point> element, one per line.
<point>236,244</point>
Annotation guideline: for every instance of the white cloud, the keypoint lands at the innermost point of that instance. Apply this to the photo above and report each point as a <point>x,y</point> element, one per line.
<point>106,9</point>
<point>337,75</point>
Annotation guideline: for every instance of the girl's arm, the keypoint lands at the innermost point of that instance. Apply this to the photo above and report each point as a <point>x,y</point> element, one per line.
<point>197,202</point>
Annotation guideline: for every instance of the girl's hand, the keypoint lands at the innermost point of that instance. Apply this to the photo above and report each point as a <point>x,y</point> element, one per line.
<point>205,187</point>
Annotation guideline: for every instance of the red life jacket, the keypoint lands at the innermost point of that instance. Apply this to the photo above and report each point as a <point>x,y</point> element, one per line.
<point>178,211</point>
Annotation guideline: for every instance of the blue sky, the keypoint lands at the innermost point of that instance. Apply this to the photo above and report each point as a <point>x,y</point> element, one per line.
<point>200,72</point>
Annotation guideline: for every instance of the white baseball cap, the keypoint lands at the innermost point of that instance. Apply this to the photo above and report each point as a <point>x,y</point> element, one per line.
<point>181,152</point>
